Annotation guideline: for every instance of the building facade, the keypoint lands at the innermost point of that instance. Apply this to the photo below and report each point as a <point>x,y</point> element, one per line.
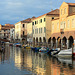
<point>63,28</point>
<point>5,31</point>
<point>12,34</point>
<point>29,33</point>
<point>21,31</point>
<point>42,27</point>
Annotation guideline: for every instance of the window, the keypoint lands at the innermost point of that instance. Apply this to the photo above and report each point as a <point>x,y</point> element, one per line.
<point>52,18</point>
<point>37,31</point>
<point>41,21</point>
<point>57,26</point>
<point>61,11</point>
<point>64,25</point>
<point>65,11</point>
<point>32,23</point>
<point>44,19</point>
<point>23,25</point>
<point>53,26</point>
<point>33,31</point>
<point>35,22</point>
<point>41,30</point>
<point>72,22</point>
<point>44,29</point>
<point>23,32</point>
<point>68,24</point>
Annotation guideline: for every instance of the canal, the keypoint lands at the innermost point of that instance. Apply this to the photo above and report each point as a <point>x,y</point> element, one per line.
<point>18,61</point>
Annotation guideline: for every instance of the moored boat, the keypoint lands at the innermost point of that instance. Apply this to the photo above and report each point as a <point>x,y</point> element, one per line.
<point>65,53</point>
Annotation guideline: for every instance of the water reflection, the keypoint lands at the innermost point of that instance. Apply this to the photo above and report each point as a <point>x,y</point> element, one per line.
<point>36,63</point>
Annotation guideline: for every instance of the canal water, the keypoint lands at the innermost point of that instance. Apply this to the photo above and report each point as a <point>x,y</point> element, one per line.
<point>18,61</point>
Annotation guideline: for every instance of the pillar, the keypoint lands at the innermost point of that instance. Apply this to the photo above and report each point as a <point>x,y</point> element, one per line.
<point>61,43</point>
<point>56,43</point>
<point>67,43</point>
<point>51,43</point>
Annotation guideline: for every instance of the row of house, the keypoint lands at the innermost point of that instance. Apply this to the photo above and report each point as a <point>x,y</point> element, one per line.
<point>54,29</point>
<point>7,32</point>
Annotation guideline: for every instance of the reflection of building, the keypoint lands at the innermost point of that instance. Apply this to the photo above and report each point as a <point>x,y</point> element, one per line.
<point>66,23</point>
<point>5,31</point>
<point>39,63</point>
<point>42,27</point>
<point>59,68</point>
<point>22,59</point>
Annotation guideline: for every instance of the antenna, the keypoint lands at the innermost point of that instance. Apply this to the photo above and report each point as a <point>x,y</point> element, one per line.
<point>51,5</point>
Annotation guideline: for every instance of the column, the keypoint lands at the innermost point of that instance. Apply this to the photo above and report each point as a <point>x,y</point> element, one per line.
<point>51,43</point>
<point>61,43</point>
<point>67,43</point>
<point>74,43</point>
<point>56,43</point>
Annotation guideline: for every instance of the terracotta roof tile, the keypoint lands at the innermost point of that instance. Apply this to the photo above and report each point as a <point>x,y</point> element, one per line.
<point>54,12</point>
<point>26,20</point>
<point>72,4</point>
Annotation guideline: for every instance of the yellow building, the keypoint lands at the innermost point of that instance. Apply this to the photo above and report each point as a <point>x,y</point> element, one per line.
<point>29,32</point>
<point>42,27</point>
<point>63,28</point>
<point>21,31</point>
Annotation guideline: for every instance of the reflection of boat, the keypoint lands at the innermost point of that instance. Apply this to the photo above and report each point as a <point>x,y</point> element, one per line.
<point>17,44</point>
<point>44,49</point>
<point>65,60</point>
<point>11,44</point>
<point>26,46</point>
<point>35,48</point>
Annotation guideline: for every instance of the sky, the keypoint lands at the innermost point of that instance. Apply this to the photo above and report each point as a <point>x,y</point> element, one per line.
<point>13,11</point>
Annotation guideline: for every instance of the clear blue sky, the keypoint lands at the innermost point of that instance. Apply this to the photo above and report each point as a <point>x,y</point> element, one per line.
<point>13,11</point>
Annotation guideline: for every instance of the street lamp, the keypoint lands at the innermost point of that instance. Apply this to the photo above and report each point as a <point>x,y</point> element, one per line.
<point>62,32</point>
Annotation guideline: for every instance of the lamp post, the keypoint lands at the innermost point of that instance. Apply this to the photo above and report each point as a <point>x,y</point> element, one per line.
<point>62,32</point>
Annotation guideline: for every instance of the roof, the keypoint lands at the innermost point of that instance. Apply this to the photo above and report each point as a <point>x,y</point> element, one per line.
<point>53,12</point>
<point>26,20</point>
<point>71,4</point>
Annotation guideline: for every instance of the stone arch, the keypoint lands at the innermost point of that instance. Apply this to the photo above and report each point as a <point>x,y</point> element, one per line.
<point>36,41</point>
<point>44,39</point>
<point>40,41</point>
<point>59,42</point>
<point>33,41</point>
<point>71,41</point>
<point>54,41</point>
<point>49,40</point>
<point>64,45</point>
